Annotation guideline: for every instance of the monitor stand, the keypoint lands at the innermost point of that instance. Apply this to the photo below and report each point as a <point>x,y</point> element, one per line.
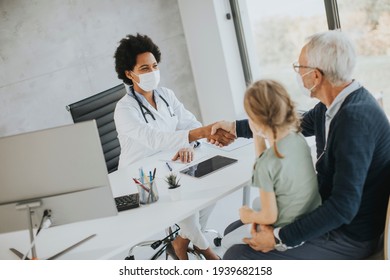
<point>29,206</point>
<point>20,255</point>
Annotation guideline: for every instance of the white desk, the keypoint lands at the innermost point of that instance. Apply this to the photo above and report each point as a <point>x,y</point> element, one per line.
<point>118,233</point>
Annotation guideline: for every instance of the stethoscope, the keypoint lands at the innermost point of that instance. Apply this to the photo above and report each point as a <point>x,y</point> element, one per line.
<point>145,111</point>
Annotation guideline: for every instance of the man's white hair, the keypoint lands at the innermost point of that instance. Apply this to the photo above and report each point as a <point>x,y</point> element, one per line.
<point>333,53</point>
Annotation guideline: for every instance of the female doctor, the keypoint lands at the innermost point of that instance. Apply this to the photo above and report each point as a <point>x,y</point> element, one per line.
<point>150,119</point>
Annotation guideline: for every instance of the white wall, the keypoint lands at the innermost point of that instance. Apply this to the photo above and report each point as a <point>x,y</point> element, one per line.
<point>215,58</point>
<point>55,52</point>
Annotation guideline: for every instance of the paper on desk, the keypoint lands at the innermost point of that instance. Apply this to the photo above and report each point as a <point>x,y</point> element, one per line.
<point>238,143</point>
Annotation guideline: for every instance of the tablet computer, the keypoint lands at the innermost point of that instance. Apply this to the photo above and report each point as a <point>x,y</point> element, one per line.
<point>208,166</point>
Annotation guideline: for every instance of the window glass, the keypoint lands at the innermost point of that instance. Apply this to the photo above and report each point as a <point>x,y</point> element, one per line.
<point>367,22</point>
<point>279,29</point>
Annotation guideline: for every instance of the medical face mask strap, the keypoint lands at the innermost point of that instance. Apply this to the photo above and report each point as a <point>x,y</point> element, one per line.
<point>261,134</point>
<point>310,89</point>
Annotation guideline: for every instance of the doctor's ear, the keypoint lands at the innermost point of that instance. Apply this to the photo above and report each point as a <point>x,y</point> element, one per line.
<point>129,75</point>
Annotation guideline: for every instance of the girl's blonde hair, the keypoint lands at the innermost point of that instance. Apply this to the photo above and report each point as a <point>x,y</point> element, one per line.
<point>267,102</point>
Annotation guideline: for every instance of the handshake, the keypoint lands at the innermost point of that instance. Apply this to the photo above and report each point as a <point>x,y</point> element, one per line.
<point>220,133</point>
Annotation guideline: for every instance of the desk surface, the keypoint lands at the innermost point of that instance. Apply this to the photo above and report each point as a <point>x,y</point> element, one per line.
<point>118,233</point>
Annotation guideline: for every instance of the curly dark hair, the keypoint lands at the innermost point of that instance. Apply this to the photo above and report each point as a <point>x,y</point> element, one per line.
<point>127,51</point>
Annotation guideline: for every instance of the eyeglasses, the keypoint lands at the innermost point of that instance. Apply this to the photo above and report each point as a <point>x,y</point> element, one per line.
<point>296,67</point>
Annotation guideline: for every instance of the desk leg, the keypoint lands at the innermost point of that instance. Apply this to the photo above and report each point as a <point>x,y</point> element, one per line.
<point>246,195</point>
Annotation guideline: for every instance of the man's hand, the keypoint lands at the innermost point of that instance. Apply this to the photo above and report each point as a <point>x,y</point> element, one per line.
<point>213,134</point>
<point>185,155</point>
<point>225,125</point>
<point>262,238</point>
<point>221,138</point>
<point>222,133</point>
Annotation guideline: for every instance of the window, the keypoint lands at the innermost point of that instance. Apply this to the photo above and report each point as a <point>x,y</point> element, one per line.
<point>279,28</point>
<point>367,24</point>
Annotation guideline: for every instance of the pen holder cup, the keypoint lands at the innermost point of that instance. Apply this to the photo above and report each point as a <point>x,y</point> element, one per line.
<point>147,192</point>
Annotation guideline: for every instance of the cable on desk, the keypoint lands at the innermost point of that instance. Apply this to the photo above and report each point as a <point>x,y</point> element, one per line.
<point>45,223</point>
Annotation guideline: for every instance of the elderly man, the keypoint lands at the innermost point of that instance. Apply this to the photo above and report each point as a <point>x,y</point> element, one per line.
<point>353,154</point>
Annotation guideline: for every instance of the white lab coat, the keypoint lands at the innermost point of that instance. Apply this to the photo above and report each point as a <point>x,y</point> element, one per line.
<point>139,139</point>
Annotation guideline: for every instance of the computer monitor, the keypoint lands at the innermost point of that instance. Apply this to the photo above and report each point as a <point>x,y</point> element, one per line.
<point>61,169</point>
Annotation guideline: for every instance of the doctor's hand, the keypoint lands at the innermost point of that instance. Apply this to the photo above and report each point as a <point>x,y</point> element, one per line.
<point>221,138</point>
<point>185,155</point>
<point>262,238</point>
<point>223,133</point>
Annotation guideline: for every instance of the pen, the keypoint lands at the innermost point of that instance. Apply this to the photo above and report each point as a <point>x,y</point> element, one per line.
<point>169,167</point>
<point>150,176</point>
<point>141,175</point>
<point>154,173</point>
<point>141,185</point>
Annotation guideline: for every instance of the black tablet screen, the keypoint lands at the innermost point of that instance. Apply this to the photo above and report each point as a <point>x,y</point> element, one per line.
<point>208,166</point>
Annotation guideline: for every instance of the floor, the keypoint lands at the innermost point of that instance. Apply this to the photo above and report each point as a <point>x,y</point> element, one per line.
<point>225,212</point>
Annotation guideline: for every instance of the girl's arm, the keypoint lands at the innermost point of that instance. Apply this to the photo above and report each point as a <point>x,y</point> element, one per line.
<point>268,213</point>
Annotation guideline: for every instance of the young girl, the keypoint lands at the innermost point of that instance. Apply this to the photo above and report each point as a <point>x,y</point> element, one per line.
<point>284,173</point>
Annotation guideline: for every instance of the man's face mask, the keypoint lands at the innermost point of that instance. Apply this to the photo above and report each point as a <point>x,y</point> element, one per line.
<point>304,90</point>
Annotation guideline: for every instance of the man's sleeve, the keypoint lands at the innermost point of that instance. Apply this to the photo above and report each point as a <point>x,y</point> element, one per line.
<point>307,123</point>
<point>243,129</point>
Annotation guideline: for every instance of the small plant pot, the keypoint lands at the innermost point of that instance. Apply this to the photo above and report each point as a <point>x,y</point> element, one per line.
<point>175,194</point>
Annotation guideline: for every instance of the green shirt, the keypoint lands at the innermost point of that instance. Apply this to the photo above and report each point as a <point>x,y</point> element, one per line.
<point>292,178</point>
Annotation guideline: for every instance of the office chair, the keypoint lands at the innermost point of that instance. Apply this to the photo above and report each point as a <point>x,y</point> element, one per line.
<point>171,234</point>
<point>384,245</point>
<point>383,251</point>
<point>101,107</point>
<point>387,234</point>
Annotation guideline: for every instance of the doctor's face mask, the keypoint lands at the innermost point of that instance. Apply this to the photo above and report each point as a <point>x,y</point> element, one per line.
<point>148,81</point>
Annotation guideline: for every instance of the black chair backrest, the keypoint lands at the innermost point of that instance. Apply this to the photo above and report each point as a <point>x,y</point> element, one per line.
<point>101,108</point>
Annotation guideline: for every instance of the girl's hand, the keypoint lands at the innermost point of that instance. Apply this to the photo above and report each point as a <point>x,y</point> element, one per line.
<point>246,214</point>
<point>185,155</point>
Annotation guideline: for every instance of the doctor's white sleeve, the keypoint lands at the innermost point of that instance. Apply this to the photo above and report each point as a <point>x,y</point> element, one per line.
<point>131,125</point>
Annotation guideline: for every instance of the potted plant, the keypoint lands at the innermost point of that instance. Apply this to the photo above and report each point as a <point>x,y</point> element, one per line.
<point>173,186</point>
